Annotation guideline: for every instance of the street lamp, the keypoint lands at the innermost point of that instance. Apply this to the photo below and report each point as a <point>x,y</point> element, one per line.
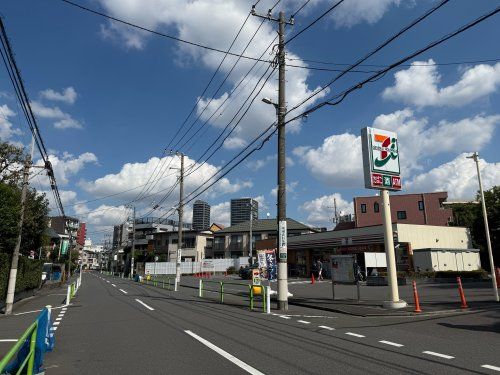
<point>475,157</point>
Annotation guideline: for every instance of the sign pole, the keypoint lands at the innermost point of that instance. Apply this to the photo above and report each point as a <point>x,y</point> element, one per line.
<point>392,279</point>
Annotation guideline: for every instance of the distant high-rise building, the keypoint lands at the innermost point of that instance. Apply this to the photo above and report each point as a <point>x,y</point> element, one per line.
<point>241,208</point>
<point>201,215</point>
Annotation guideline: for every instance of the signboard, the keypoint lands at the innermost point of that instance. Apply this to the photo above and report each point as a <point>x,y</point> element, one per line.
<point>282,241</point>
<point>342,268</point>
<point>255,277</point>
<point>267,264</point>
<point>207,265</point>
<point>380,159</point>
<point>64,247</point>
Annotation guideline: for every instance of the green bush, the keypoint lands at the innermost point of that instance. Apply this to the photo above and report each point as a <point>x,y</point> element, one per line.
<point>231,270</point>
<point>29,274</point>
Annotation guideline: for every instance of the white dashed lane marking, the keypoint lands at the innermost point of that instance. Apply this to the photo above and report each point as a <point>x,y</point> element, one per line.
<point>490,367</point>
<point>143,304</point>
<point>328,328</point>
<point>303,321</point>
<point>354,334</point>
<point>391,343</point>
<point>440,355</point>
<point>56,323</point>
<point>123,291</point>
<point>284,317</point>
<point>114,285</point>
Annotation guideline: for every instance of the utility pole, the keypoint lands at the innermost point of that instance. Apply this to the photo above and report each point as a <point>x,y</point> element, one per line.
<point>281,111</point>
<point>133,244</point>
<point>179,231</point>
<point>475,157</point>
<point>9,302</point>
<point>250,244</point>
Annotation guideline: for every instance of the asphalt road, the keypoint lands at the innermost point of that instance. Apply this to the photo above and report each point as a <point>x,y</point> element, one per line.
<point>118,326</point>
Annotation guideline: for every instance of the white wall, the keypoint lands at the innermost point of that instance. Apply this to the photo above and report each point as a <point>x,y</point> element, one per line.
<point>429,261</point>
<point>430,236</point>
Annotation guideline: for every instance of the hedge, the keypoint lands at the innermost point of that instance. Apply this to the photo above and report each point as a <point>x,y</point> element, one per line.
<point>29,274</point>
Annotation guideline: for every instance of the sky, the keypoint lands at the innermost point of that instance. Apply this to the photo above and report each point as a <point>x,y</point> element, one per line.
<point>110,100</point>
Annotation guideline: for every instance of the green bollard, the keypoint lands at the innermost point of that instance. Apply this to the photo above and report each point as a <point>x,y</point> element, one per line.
<point>221,292</point>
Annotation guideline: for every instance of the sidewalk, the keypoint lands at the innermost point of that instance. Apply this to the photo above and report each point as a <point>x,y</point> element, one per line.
<point>435,299</point>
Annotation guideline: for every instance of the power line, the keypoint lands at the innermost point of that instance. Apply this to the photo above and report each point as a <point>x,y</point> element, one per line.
<point>373,52</point>
<point>385,65</point>
<point>315,21</point>
<point>157,32</point>
<point>341,96</point>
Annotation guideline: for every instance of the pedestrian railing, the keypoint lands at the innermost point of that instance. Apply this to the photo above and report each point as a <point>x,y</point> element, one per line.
<point>73,288</point>
<point>26,356</point>
<point>220,290</point>
<point>160,281</point>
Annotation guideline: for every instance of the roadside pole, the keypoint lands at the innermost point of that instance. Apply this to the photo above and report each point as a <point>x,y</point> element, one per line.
<point>475,157</point>
<point>281,111</point>
<point>133,245</point>
<point>392,278</point>
<point>179,235</point>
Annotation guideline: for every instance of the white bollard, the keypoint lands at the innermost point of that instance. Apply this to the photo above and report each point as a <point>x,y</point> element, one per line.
<point>200,293</point>
<point>268,299</point>
<point>68,295</point>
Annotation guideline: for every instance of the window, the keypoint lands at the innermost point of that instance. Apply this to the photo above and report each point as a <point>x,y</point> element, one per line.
<point>363,208</point>
<point>401,215</point>
<point>421,205</point>
<point>376,207</point>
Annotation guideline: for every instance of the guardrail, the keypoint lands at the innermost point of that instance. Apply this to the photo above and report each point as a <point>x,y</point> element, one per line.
<point>264,292</point>
<point>156,281</point>
<point>26,356</point>
<point>73,288</point>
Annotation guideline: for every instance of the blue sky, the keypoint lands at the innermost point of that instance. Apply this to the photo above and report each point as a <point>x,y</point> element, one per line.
<point>109,99</point>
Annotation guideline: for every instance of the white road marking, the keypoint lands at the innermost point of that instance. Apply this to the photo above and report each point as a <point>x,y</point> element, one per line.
<point>123,291</point>
<point>284,317</point>
<point>225,354</point>
<point>438,355</point>
<point>490,367</point>
<point>391,343</point>
<point>354,334</point>
<point>57,319</point>
<point>114,285</point>
<point>143,304</point>
<point>56,323</point>
<point>107,281</point>
<point>328,328</point>
<point>8,340</point>
<point>303,321</point>
<point>54,328</point>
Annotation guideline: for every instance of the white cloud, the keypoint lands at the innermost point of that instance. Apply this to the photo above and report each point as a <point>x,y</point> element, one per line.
<point>320,211</point>
<point>67,197</point>
<point>6,128</point>
<point>136,174</point>
<point>338,161</point>
<point>64,120</point>
<point>68,95</point>
<point>67,165</point>
<point>290,189</point>
<point>221,21</point>
<point>418,85</point>
<point>255,165</point>
<point>353,12</point>
<point>103,217</point>
<point>221,213</point>
<point>458,177</point>
<point>419,141</point>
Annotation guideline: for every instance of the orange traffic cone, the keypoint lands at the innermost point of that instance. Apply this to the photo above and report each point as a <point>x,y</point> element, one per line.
<point>312,278</point>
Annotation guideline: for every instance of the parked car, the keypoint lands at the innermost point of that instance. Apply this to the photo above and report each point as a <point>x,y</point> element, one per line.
<point>246,272</point>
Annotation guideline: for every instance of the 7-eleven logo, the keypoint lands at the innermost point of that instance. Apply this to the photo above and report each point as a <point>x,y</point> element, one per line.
<point>388,149</point>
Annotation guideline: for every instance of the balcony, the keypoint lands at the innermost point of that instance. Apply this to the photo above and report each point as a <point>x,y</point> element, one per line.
<point>236,246</point>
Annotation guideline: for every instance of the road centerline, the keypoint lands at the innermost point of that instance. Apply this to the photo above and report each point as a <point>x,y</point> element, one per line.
<point>223,353</point>
<point>143,304</point>
<point>440,355</point>
<point>391,343</point>
<point>328,328</point>
<point>123,291</point>
<point>354,334</point>
<point>303,321</point>
<point>490,367</point>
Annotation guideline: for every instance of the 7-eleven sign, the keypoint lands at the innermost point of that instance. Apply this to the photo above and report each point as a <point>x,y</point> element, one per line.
<point>380,159</point>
